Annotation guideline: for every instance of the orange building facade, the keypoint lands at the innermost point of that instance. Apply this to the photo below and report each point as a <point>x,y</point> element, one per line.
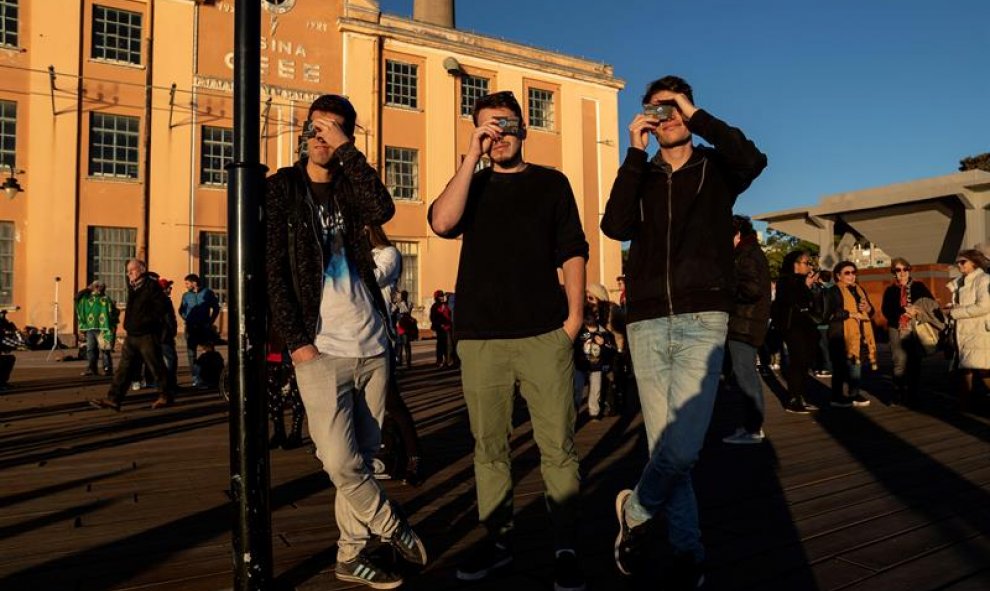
<point>116,115</point>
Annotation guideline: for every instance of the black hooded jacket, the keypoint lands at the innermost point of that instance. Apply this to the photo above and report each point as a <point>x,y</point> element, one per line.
<point>750,319</point>
<point>294,250</point>
<point>680,222</point>
<point>149,311</point>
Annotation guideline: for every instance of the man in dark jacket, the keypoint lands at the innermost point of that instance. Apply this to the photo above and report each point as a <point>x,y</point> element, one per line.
<point>748,327</point>
<point>327,307</point>
<point>147,319</point>
<point>676,211</point>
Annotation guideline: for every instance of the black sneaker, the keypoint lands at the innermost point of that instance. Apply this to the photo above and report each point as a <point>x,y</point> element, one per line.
<point>487,557</point>
<point>411,475</point>
<point>105,403</point>
<point>629,541</point>
<point>686,573</point>
<point>408,544</point>
<point>797,407</point>
<point>842,402</point>
<point>860,400</point>
<point>567,572</point>
<point>362,570</point>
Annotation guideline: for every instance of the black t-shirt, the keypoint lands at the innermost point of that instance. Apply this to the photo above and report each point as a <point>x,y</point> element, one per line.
<point>517,228</point>
<point>321,193</point>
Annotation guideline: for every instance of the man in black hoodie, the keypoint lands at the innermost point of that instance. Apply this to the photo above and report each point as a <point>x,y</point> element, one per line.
<point>676,211</point>
<point>148,318</point>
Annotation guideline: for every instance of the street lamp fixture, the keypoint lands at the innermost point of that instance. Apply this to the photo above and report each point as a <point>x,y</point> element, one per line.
<point>10,186</point>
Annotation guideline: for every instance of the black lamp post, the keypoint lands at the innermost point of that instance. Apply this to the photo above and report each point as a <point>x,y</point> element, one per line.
<point>249,471</point>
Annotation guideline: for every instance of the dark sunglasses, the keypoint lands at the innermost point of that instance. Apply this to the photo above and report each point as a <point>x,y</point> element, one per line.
<point>901,269</point>
<point>848,273</point>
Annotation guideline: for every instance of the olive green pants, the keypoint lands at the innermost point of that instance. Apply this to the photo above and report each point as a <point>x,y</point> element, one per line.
<point>544,367</point>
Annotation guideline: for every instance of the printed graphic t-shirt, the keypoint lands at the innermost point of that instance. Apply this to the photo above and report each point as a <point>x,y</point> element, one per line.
<point>349,325</point>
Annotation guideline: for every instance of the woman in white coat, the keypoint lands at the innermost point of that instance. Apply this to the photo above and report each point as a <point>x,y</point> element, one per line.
<point>970,309</point>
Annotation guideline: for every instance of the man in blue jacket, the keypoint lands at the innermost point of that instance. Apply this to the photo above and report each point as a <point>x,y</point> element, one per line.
<point>676,211</point>
<point>199,309</point>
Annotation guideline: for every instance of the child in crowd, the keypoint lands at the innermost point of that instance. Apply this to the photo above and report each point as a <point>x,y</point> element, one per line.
<point>210,364</point>
<point>594,351</point>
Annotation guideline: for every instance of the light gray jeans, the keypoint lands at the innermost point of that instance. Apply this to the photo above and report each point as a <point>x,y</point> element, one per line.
<point>345,406</point>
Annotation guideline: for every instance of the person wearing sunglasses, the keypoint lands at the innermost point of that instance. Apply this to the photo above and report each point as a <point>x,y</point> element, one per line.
<point>792,315</point>
<point>897,309</point>
<point>851,336</point>
<point>970,308</point>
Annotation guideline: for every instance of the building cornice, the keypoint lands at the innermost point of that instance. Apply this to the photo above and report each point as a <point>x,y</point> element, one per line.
<point>484,48</point>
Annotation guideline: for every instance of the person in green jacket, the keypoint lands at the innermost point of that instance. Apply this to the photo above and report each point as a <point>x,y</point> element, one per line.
<point>98,316</point>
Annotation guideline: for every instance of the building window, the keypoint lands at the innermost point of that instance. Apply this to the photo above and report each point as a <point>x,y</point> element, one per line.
<point>116,35</point>
<point>540,108</point>
<point>113,145</point>
<point>402,172</point>
<point>6,263</point>
<point>216,150</point>
<point>8,133</point>
<point>8,23</point>
<point>472,89</point>
<point>409,279</point>
<point>213,262</point>
<point>400,84</point>
<point>109,251</point>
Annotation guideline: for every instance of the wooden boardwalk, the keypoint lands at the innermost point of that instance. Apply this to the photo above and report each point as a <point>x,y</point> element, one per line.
<point>875,498</point>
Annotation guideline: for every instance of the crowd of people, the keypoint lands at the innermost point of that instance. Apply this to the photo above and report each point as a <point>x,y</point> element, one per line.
<point>828,329</point>
<point>696,304</point>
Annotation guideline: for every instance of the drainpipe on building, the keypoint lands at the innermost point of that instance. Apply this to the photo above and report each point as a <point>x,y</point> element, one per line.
<point>148,96</point>
<point>79,165</point>
<point>379,98</point>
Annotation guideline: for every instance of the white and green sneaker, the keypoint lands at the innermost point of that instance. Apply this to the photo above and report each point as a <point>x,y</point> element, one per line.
<point>362,570</point>
<point>408,544</point>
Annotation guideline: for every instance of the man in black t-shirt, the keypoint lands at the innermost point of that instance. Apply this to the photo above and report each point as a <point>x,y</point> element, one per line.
<point>519,223</point>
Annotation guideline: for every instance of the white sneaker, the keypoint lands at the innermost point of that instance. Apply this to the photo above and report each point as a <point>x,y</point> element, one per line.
<point>743,437</point>
<point>135,386</point>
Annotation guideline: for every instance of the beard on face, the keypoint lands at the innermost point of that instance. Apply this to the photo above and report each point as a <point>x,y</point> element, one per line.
<point>508,154</point>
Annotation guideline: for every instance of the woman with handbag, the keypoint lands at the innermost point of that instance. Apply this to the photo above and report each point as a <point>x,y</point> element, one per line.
<point>905,347</point>
<point>851,340</point>
<point>970,309</point>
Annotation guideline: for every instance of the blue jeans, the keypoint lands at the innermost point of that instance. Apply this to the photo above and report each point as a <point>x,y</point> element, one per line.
<point>743,356</point>
<point>93,353</point>
<point>171,359</point>
<point>677,361</point>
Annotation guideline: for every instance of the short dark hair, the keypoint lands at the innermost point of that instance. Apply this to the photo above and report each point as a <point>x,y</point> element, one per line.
<point>495,100</point>
<point>787,265</point>
<point>192,277</point>
<point>837,269</point>
<point>743,225</point>
<point>670,83</point>
<point>338,105</point>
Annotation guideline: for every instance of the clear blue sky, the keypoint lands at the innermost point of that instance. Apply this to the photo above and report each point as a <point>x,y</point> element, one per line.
<point>840,94</point>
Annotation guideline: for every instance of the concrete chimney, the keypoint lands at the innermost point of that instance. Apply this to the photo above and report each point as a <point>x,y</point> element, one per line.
<point>434,12</point>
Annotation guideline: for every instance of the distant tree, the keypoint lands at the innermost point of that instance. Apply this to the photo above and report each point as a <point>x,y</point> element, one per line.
<point>778,244</point>
<point>978,162</point>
